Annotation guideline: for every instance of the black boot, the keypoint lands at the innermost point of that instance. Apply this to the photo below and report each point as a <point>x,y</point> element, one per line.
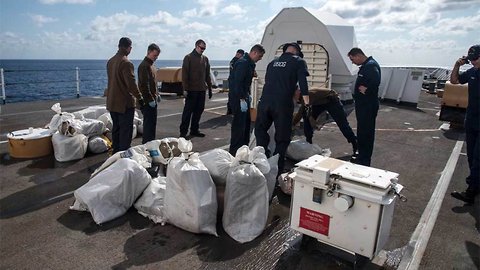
<point>468,196</point>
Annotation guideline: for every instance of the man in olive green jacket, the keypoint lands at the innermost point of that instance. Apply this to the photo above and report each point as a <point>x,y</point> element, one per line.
<point>121,93</point>
<point>148,88</point>
<point>195,81</point>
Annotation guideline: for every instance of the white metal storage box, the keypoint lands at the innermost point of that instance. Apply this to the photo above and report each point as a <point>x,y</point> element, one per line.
<point>344,205</point>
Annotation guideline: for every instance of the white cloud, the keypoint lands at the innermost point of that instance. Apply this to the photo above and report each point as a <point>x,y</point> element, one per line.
<point>208,8</point>
<point>40,20</point>
<point>53,2</point>
<point>113,23</point>
<point>196,26</point>
<point>162,17</point>
<point>190,13</point>
<point>454,26</point>
<point>234,10</point>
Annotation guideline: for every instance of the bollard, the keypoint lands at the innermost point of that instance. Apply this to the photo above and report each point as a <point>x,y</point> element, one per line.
<point>78,82</point>
<point>3,86</point>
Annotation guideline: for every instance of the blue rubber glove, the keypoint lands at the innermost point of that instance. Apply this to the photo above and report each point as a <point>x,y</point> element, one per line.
<point>243,105</point>
<point>152,103</point>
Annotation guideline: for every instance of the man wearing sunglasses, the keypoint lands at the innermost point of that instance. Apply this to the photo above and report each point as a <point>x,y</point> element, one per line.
<point>472,120</point>
<point>195,81</point>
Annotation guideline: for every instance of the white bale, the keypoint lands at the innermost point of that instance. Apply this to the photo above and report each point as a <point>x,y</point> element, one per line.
<point>300,149</point>
<point>92,112</point>
<point>152,202</point>
<point>66,148</point>
<point>97,144</point>
<point>218,162</point>
<point>190,196</point>
<point>246,195</point>
<point>113,191</point>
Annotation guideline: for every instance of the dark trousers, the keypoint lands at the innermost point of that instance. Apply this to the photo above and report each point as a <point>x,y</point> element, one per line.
<point>280,114</point>
<point>473,156</point>
<point>240,132</point>
<point>366,112</point>
<point>149,123</point>
<point>192,111</point>
<point>335,109</point>
<point>122,129</point>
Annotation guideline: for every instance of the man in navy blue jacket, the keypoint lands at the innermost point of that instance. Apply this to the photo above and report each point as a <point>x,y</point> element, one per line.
<point>239,97</point>
<point>366,103</point>
<point>472,121</point>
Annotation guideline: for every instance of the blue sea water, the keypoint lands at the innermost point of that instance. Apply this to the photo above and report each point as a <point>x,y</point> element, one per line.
<point>30,80</point>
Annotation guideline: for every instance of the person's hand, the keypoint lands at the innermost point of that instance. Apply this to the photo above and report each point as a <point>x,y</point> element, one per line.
<point>307,110</point>
<point>243,105</point>
<point>210,93</point>
<point>141,102</point>
<point>152,103</point>
<point>362,89</point>
<point>462,61</point>
<point>185,93</point>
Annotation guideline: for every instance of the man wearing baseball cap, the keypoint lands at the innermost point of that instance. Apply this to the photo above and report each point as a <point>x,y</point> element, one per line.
<point>472,120</point>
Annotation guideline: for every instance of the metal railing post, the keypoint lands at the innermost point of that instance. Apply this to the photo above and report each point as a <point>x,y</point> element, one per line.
<point>78,82</point>
<point>3,86</point>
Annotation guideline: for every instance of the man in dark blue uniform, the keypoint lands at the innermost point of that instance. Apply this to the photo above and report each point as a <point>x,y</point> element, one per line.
<point>366,103</point>
<point>240,97</point>
<point>472,120</point>
<point>326,100</point>
<point>237,56</point>
<point>276,104</point>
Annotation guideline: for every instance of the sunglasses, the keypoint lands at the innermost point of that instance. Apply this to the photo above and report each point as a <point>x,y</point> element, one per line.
<point>202,48</point>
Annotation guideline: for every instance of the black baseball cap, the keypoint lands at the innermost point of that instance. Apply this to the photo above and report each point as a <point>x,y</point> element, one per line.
<point>293,44</point>
<point>473,53</point>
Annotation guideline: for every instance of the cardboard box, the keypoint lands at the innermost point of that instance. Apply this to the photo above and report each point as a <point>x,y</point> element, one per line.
<point>30,143</point>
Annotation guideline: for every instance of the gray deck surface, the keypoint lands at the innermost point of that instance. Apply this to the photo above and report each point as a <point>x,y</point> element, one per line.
<point>38,231</point>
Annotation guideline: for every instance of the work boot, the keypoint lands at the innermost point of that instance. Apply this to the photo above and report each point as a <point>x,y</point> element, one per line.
<point>466,196</point>
<point>197,134</point>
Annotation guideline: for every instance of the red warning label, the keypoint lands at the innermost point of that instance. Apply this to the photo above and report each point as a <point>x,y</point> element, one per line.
<point>314,221</point>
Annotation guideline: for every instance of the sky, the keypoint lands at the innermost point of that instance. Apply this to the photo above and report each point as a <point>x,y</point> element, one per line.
<point>406,32</point>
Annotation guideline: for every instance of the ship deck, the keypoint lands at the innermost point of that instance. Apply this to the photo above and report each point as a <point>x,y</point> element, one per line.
<point>38,231</point>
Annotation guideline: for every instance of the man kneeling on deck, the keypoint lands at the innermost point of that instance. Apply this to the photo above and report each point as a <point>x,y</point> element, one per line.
<point>323,99</point>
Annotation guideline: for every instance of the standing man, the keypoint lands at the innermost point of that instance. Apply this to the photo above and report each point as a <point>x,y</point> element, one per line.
<point>237,56</point>
<point>472,121</point>
<point>239,96</point>
<point>121,93</point>
<point>276,104</point>
<point>148,88</point>
<point>366,103</point>
<point>195,81</point>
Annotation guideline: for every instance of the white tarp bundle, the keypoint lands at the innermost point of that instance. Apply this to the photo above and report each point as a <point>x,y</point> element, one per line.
<point>300,149</point>
<point>137,153</point>
<point>87,127</point>
<point>162,151</point>
<point>106,118</point>
<point>218,163</point>
<point>190,196</point>
<point>92,112</point>
<point>68,148</point>
<point>113,191</point>
<point>98,144</point>
<point>246,195</point>
<point>151,203</point>
<point>58,118</point>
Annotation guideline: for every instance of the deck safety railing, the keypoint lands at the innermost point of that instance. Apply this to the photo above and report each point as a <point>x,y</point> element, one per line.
<point>76,81</point>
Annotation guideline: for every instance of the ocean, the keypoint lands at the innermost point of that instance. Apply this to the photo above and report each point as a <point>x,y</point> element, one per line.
<point>30,80</point>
